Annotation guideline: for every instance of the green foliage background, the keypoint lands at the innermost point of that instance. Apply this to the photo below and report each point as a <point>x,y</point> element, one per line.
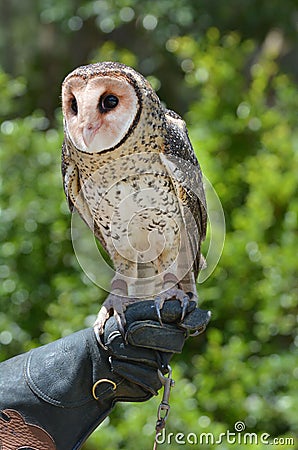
<point>230,68</point>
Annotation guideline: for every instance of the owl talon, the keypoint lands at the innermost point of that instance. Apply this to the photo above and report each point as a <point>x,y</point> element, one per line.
<point>184,303</point>
<point>121,322</point>
<point>101,319</point>
<point>115,305</point>
<point>173,293</point>
<point>158,302</point>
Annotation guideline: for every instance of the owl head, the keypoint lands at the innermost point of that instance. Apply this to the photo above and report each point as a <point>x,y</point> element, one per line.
<point>102,104</point>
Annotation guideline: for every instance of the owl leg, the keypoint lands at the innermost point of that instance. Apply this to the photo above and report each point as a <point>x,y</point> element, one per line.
<point>172,290</point>
<point>115,303</point>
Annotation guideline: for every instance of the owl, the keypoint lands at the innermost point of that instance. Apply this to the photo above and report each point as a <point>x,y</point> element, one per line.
<point>130,172</point>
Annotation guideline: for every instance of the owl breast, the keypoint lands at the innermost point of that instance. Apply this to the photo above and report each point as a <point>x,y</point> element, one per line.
<point>133,202</point>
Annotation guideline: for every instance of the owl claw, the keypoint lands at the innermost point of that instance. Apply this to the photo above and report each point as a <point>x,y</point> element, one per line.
<point>121,322</point>
<point>101,319</point>
<point>173,293</point>
<point>113,305</point>
<point>184,303</point>
<point>158,302</point>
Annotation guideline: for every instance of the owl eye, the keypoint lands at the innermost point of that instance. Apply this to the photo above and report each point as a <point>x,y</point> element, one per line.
<point>74,106</point>
<point>108,102</point>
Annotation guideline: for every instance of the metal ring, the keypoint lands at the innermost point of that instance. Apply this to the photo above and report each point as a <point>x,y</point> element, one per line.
<point>103,380</point>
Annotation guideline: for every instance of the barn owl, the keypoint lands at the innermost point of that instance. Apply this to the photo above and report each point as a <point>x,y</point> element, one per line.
<point>131,173</point>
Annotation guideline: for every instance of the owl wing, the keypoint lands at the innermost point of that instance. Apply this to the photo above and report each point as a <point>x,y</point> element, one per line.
<point>185,172</point>
<point>73,191</point>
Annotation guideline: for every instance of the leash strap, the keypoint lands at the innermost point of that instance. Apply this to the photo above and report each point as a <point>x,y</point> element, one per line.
<point>164,406</point>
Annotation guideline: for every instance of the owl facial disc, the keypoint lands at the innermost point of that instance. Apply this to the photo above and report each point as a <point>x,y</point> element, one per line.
<point>98,111</point>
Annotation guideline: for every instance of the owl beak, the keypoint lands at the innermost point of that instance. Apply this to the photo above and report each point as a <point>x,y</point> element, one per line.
<point>89,132</point>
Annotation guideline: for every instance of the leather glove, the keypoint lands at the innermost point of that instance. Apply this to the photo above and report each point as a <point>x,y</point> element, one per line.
<point>54,396</point>
<point>158,342</point>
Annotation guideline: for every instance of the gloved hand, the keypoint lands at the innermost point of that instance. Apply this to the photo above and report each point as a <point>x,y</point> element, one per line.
<point>158,342</point>
<point>144,330</point>
<point>54,396</point>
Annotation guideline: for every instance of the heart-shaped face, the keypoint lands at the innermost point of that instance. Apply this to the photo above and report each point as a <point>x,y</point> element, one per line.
<point>98,111</point>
